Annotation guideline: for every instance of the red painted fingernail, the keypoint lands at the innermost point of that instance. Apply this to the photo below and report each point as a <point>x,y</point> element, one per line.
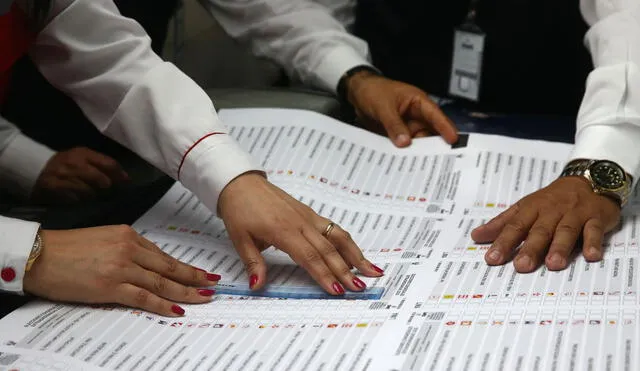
<point>359,284</point>
<point>206,292</point>
<point>177,309</point>
<point>253,280</point>
<point>338,288</point>
<point>213,277</point>
<point>377,269</point>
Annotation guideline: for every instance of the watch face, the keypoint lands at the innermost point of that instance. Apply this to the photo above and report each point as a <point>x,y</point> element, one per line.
<point>607,174</point>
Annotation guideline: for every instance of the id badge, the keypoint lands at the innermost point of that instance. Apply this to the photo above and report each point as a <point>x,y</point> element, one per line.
<point>466,68</point>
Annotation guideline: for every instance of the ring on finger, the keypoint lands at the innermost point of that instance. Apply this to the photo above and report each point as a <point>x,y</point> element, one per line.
<point>328,230</point>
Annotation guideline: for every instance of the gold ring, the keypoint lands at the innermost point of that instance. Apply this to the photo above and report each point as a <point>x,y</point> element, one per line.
<point>327,231</point>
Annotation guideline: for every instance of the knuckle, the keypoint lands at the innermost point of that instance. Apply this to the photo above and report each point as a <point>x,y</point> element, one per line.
<point>124,251</point>
<point>195,275</point>
<point>595,225</point>
<point>171,265</point>
<point>345,272</point>
<point>141,297</point>
<point>541,232</point>
<point>567,229</point>
<point>251,264</point>
<point>159,283</point>
<point>125,232</point>
<point>311,258</point>
<point>516,225</point>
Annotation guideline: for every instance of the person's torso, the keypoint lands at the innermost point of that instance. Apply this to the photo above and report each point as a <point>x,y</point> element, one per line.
<point>15,39</point>
<point>534,59</point>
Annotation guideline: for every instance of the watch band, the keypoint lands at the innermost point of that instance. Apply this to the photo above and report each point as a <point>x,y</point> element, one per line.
<point>36,251</point>
<point>576,167</point>
<point>581,167</point>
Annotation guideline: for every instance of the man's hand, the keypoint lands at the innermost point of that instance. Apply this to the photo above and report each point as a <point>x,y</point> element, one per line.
<point>114,264</point>
<point>258,214</point>
<point>550,222</point>
<point>76,174</point>
<point>403,110</point>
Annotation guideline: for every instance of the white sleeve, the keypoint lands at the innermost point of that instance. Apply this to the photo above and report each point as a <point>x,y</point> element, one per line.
<point>608,124</point>
<point>105,63</point>
<point>16,241</point>
<point>303,37</point>
<point>21,160</point>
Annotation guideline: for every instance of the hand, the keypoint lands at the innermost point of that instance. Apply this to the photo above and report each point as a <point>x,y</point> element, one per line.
<point>257,215</point>
<point>550,222</point>
<point>114,264</point>
<point>403,110</point>
<point>76,174</point>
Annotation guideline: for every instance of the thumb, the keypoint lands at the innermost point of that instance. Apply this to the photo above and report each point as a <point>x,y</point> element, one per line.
<point>396,129</point>
<point>253,261</point>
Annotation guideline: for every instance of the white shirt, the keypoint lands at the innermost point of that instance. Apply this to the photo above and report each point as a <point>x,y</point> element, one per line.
<point>105,63</point>
<point>309,39</point>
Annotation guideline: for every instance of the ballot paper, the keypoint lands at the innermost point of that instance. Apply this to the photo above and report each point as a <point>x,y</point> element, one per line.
<point>438,306</point>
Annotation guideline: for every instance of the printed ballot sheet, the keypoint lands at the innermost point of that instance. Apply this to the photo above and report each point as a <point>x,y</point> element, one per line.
<point>439,306</point>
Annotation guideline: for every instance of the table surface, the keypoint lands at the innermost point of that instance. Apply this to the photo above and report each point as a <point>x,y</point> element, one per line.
<point>127,205</point>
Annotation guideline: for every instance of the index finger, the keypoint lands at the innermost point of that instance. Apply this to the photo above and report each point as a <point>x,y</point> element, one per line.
<point>433,115</point>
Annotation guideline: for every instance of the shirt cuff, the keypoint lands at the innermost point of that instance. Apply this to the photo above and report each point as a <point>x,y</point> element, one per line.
<point>617,143</point>
<point>213,163</point>
<point>21,163</point>
<point>335,64</point>
<point>17,238</point>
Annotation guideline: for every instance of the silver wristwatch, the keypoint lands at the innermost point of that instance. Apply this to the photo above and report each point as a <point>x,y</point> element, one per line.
<point>606,177</point>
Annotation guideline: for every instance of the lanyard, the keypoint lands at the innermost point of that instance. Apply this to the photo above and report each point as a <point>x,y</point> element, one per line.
<point>470,21</point>
<point>471,12</point>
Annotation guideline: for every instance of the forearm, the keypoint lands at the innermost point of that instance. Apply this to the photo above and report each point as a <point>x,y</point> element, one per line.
<point>21,160</point>
<point>302,36</point>
<point>134,97</point>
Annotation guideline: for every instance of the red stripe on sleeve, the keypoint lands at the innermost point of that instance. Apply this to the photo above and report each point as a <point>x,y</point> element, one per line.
<point>192,147</point>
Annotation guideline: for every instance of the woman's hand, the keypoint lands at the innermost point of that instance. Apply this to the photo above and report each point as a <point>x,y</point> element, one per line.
<point>258,214</point>
<point>115,264</point>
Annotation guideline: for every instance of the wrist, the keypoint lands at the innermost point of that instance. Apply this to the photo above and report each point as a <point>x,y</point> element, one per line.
<point>250,179</point>
<point>352,80</point>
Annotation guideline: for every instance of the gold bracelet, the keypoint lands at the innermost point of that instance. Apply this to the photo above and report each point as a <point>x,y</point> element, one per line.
<point>36,250</point>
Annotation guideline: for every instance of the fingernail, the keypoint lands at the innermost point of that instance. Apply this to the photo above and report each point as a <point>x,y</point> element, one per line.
<point>206,292</point>
<point>377,269</point>
<point>177,309</point>
<point>595,253</point>
<point>213,277</point>
<point>338,288</point>
<point>359,284</point>
<point>402,138</point>
<point>557,260</point>
<point>495,255</point>
<point>525,262</point>
<point>253,280</point>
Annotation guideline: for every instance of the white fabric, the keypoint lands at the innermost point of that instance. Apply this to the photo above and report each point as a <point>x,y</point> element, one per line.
<point>308,38</point>
<point>609,118</point>
<point>105,63</point>
<point>21,160</point>
<point>17,238</point>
